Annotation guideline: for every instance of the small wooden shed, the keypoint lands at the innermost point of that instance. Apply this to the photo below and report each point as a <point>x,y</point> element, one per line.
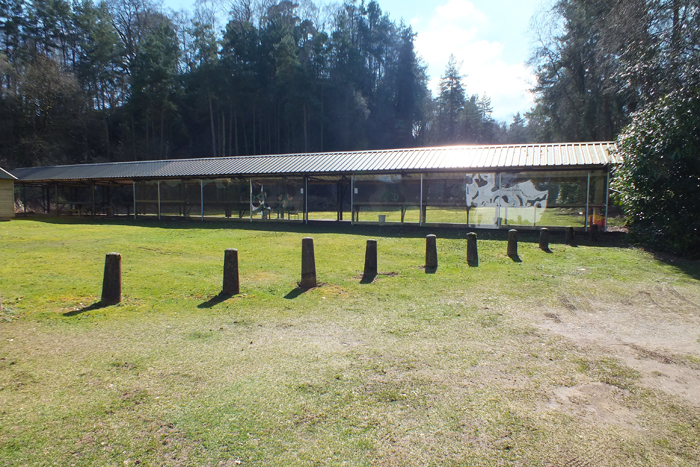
<point>7,195</point>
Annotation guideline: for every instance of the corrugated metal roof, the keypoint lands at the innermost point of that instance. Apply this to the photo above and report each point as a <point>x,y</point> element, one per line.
<point>466,158</point>
<point>5,175</point>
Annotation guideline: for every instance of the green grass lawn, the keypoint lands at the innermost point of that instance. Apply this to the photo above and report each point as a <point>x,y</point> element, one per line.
<point>450,368</point>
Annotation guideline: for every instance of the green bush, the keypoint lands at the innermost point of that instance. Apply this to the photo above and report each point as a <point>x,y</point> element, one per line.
<point>658,182</point>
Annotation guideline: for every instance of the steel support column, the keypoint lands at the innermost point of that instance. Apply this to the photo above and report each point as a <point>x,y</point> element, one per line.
<point>352,199</point>
<point>588,195</point>
<point>420,212</point>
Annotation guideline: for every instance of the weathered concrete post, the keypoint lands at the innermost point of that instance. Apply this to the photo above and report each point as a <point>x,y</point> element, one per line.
<point>431,259</point>
<point>112,281</point>
<point>544,239</point>
<point>472,254</point>
<point>308,264</point>
<point>231,282</point>
<point>512,243</point>
<point>370,259</point>
<point>569,235</point>
<point>594,232</point>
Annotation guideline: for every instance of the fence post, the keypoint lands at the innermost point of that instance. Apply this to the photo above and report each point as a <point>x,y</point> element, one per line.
<point>231,281</point>
<point>472,254</point>
<point>431,258</point>
<point>512,243</point>
<point>308,264</point>
<point>594,232</point>
<point>544,239</point>
<point>370,259</point>
<point>569,235</point>
<point>112,280</point>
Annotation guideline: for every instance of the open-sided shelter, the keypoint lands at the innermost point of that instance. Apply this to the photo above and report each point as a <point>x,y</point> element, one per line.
<point>495,186</point>
<point>7,198</point>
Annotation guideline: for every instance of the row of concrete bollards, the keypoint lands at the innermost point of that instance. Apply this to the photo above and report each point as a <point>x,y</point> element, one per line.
<point>112,281</point>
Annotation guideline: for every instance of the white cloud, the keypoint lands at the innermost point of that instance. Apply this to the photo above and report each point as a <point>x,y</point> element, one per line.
<point>458,28</point>
<point>459,11</point>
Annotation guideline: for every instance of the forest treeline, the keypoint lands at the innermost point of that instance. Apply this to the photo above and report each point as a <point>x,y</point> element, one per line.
<point>126,80</point>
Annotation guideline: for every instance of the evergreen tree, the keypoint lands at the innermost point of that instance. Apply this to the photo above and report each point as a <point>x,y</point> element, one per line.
<point>450,104</point>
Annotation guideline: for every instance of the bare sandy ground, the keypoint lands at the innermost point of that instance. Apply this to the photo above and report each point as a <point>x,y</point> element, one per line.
<point>654,331</point>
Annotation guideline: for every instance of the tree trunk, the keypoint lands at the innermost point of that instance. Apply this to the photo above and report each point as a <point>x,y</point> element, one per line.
<point>322,117</point>
<point>133,137</point>
<point>211,120</point>
<point>306,131</point>
<point>107,148</point>
<point>230,129</point>
<point>223,134</point>
<point>147,115</point>
<point>245,138</point>
<point>235,126</point>
<point>162,118</point>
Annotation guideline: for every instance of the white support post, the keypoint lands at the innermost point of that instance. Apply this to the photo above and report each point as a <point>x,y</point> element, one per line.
<point>158,199</point>
<point>420,213</point>
<point>607,200</point>
<point>466,200</point>
<point>534,219</point>
<point>588,194</point>
<point>201,197</point>
<point>306,199</point>
<point>352,199</point>
<point>251,199</point>
<point>134,183</point>
<point>500,196</point>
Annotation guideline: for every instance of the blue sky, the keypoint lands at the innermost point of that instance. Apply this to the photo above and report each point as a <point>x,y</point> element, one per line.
<point>490,38</point>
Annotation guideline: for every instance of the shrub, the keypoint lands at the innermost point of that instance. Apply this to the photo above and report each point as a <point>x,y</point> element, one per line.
<point>658,182</point>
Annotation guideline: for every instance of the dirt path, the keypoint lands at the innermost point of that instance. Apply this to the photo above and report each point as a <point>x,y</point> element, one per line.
<point>653,331</point>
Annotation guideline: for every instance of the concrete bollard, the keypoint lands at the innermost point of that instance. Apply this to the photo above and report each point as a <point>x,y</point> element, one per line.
<point>370,259</point>
<point>472,254</point>
<point>231,280</point>
<point>593,232</point>
<point>512,243</point>
<point>308,264</point>
<point>544,239</point>
<point>569,235</point>
<point>112,281</point>
<point>431,259</point>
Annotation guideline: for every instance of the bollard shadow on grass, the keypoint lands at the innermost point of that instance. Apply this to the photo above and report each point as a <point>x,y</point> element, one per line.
<point>473,263</point>
<point>95,306</point>
<point>294,293</point>
<point>430,270</point>
<point>215,300</point>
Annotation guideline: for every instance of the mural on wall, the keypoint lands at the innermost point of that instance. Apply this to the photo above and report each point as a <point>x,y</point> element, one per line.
<point>482,191</point>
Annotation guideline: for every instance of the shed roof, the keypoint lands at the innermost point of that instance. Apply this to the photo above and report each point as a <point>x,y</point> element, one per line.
<point>5,175</point>
<point>491,157</point>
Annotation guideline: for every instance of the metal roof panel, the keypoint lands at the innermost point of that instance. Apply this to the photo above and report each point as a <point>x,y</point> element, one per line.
<point>468,158</point>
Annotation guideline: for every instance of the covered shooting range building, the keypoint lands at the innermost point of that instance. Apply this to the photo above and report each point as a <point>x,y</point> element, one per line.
<point>494,186</point>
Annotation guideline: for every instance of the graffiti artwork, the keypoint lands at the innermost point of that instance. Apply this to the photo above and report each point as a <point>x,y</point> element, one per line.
<point>482,191</point>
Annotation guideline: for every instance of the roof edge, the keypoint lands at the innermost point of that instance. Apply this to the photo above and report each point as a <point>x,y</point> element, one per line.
<point>4,174</point>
